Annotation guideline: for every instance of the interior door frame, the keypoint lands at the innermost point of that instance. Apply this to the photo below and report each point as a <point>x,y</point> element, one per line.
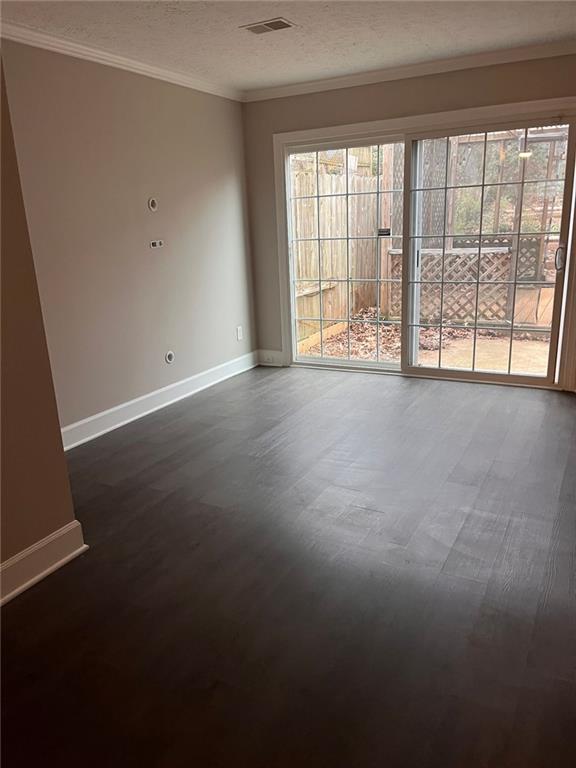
<point>410,129</point>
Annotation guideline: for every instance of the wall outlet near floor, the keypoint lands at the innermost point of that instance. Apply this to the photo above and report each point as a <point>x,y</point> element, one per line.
<point>156,243</point>
<point>239,333</point>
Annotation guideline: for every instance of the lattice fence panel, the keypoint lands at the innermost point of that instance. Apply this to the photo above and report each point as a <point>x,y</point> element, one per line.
<point>494,303</point>
<point>529,259</point>
<point>461,268</point>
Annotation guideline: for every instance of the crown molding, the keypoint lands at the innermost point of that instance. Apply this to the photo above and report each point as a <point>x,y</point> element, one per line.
<point>562,48</point>
<point>21,34</point>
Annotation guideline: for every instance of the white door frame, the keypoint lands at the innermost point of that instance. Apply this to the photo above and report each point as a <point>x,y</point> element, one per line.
<point>403,128</point>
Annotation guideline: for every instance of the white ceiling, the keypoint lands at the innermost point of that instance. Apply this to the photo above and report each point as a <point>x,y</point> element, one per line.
<point>331,39</point>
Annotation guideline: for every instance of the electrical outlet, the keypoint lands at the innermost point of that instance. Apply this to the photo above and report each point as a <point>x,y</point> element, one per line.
<point>156,243</point>
<point>239,333</point>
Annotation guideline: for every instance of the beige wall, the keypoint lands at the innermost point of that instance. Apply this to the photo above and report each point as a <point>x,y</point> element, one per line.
<point>93,143</point>
<point>505,83</point>
<point>36,496</point>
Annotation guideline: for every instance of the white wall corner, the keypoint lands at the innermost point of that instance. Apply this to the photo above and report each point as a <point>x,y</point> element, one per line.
<point>41,559</point>
<point>94,426</point>
<point>271,357</point>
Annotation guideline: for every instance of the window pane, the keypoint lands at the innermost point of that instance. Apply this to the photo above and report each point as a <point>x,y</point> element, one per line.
<point>304,218</point>
<point>457,348</point>
<point>308,338</point>
<point>332,172</point>
<point>307,299</point>
<point>463,211</point>
<point>427,303</point>
<point>548,146</point>
<point>392,166</point>
<point>363,213</point>
<point>530,353</point>
<point>501,208</point>
<point>533,306</point>
<point>305,259</point>
<point>391,212</point>
<point>492,350</point>
<point>335,301</point>
<point>333,216</point>
<point>536,260</point>
<point>465,159</point>
<point>430,205</point>
<point>426,258</point>
<point>363,258</point>
<point>461,264</point>
<point>502,156</point>
<point>363,341</point>
<point>431,163</point>
<point>459,304</point>
<point>390,258</point>
<point>363,298</point>
<point>427,341</point>
<point>497,261</point>
<point>334,259</point>
<point>363,169</point>
<point>391,300</point>
<point>495,304</point>
<point>542,206</point>
<point>335,340</point>
<point>303,174</point>
<point>389,344</point>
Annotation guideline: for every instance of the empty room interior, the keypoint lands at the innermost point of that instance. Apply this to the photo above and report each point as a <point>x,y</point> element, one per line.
<point>288,384</point>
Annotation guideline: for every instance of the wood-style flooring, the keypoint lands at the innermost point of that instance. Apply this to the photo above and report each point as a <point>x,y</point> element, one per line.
<point>311,569</point>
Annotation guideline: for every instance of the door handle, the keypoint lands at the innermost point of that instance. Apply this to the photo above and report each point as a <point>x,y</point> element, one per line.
<point>560,258</point>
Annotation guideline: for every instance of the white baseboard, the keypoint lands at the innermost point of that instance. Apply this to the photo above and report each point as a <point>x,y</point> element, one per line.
<point>94,426</point>
<point>270,357</point>
<point>34,563</point>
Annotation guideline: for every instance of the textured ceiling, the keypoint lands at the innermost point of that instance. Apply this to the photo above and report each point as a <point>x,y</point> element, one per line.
<point>331,39</point>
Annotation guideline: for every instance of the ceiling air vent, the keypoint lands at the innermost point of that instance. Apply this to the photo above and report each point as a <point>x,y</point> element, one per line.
<point>272,25</point>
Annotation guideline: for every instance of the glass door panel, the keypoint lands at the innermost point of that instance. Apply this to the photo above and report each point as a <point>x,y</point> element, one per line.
<point>345,243</point>
<point>487,221</point>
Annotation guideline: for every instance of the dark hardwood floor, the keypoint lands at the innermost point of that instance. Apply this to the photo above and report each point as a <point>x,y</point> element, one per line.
<point>309,569</point>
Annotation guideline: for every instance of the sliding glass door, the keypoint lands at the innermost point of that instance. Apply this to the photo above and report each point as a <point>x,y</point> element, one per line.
<point>346,217</point>
<point>476,247</point>
<point>487,248</point>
